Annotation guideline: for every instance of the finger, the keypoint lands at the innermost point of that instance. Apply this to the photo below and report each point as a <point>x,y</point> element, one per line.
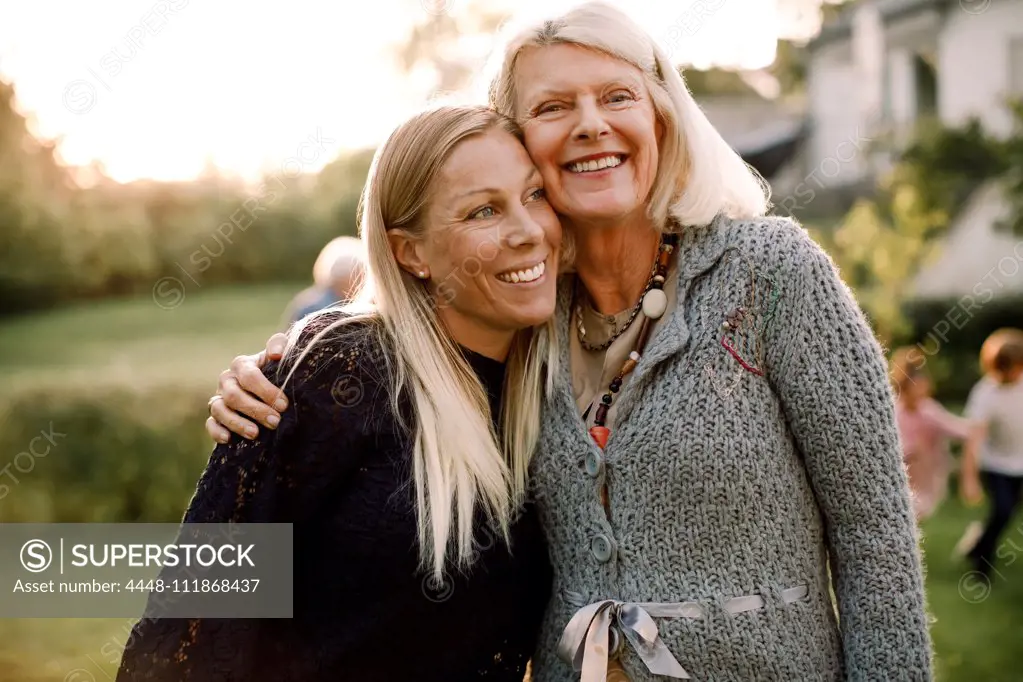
<point>229,419</point>
<point>246,370</point>
<point>275,346</point>
<point>237,399</point>
<point>216,431</point>
<point>252,381</point>
<point>226,377</point>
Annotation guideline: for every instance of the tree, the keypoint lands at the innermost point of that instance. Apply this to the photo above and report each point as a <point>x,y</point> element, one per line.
<point>34,189</point>
<point>882,242</point>
<point>449,45</point>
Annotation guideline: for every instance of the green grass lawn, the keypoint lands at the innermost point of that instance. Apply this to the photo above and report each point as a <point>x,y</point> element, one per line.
<point>977,633</point>
<point>134,341</point>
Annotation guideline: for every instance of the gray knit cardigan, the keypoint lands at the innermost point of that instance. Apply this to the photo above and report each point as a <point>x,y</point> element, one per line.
<point>739,474</point>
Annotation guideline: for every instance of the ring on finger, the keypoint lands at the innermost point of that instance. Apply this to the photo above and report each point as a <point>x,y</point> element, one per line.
<point>209,403</point>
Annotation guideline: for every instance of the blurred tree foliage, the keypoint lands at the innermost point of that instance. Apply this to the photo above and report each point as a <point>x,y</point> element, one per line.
<point>450,46</point>
<point>882,242</point>
<point>62,239</point>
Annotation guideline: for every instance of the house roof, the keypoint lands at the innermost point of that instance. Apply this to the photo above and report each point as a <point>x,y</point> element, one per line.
<point>766,133</point>
<point>890,10</point>
<point>973,251</point>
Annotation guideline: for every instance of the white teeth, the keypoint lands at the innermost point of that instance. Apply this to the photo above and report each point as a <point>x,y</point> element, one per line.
<point>596,164</point>
<point>523,276</point>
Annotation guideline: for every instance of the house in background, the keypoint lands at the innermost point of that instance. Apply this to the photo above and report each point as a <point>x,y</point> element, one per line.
<point>767,133</point>
<point>974,259</point>
<point>883,66</point>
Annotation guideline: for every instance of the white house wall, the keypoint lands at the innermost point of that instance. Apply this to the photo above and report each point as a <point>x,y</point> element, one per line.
<point>850,97</point>
<point>833,85</point>
<point>974,64</point>
<point>901,87</point>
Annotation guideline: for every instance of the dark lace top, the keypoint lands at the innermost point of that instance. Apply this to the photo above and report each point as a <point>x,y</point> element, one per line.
<point>339,467</point>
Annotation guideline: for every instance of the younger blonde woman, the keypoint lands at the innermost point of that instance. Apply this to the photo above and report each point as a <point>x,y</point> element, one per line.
<point>402,460</point>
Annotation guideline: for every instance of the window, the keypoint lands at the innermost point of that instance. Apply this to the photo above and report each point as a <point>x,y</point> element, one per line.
<point>926,80</point>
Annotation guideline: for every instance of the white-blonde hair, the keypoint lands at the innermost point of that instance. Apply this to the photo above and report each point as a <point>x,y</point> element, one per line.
<point>699,175</point>
<point>459,466</point>
<point>341,252</point>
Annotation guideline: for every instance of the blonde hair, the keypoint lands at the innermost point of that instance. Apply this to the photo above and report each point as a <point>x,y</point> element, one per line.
<point>1002,350</point>
<point>699,176</point>
<point>907,365</point>
<point>458,465</point>
<point>347,252</point>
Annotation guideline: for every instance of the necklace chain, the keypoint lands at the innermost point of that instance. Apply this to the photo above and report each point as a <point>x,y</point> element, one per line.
<point>581,329</point>
<point>599,432</point>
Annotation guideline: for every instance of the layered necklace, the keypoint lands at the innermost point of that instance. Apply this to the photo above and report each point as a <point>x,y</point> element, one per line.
<point>652,302</point>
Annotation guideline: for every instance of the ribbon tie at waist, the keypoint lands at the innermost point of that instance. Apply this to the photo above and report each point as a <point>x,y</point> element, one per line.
<point>584,644</point>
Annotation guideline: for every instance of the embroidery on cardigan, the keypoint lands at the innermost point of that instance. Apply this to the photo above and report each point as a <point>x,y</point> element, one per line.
<point>724,386</point>
<point>743,329</point>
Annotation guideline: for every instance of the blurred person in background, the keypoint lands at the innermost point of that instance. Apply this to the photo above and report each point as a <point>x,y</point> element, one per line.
<point>925,428</point>
<point>994,453</point>
<point>337,273</point>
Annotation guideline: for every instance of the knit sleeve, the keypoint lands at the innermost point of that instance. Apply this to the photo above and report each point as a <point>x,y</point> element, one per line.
<point>830,374</point>
<point>283,476</point>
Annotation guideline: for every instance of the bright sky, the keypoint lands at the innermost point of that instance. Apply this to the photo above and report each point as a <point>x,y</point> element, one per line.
<point>156,88</point>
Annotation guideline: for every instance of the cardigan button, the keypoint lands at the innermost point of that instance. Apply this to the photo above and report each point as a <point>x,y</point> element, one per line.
<point>600,546</point>
<point>594,464</point>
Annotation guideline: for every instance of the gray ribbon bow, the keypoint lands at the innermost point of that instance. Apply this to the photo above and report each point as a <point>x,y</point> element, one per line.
<point>584,644</point>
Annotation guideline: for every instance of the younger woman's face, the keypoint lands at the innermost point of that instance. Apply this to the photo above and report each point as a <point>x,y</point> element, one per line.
<point>492,239</point>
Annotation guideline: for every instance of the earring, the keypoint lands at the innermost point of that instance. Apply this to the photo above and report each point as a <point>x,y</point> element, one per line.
<point>422,274</point>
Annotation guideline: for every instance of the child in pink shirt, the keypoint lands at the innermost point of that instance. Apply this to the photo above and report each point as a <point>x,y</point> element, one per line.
<point>925,428</point>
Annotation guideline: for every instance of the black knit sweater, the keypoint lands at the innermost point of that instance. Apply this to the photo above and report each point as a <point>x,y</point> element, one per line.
<point>339,468</point>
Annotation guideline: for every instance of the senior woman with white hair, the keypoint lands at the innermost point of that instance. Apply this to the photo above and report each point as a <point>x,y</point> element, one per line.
<point>337,273</point>
<point>721,451</point>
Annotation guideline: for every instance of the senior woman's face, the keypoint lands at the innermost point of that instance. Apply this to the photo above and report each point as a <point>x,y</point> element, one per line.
<point>492,239</point>
<point>590,128</point>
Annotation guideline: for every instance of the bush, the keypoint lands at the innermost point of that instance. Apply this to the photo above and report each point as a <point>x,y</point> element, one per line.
<point>60,241</point>
<point>121,456</point>
<point>951,352</point>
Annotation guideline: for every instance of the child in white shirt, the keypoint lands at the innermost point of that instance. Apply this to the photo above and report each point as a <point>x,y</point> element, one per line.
<point>994,453</point>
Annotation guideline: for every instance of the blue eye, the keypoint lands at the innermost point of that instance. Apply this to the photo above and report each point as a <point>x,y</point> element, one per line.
<point>550,107</point>
<point>483,213</point>
<point>537,194</point>
<point>621,97</point>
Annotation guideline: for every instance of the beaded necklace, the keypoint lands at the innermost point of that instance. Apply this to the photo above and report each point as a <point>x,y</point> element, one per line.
<point>653,303</point>
<point>620,329</point>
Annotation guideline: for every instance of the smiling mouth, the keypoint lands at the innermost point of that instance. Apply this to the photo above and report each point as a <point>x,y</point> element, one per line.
<point>523,276</point>
<point>594,165</point>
